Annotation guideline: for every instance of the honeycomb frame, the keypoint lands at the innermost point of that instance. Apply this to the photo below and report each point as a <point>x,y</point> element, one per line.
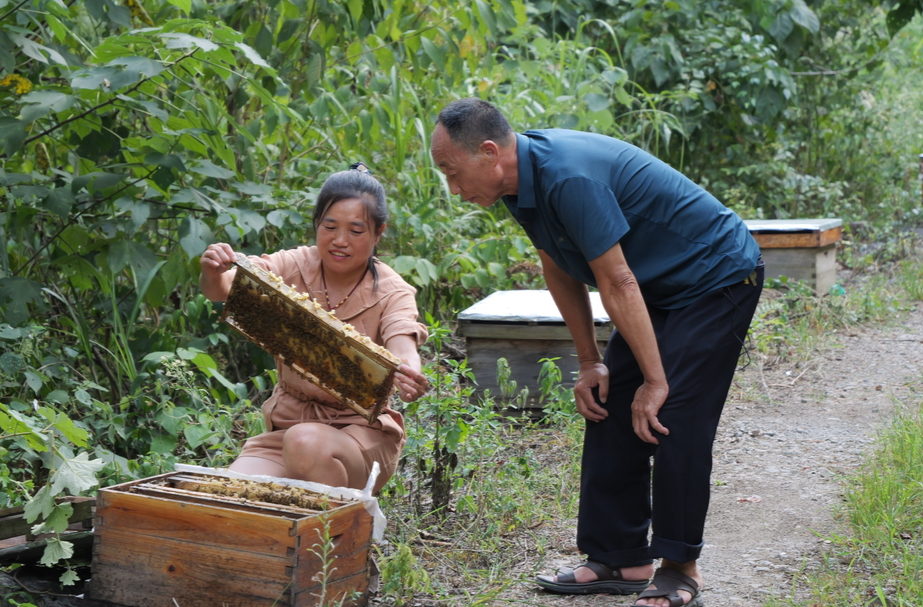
<point>313,342</point>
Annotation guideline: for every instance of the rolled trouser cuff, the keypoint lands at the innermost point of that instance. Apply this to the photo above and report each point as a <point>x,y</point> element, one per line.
<point>678,552</point>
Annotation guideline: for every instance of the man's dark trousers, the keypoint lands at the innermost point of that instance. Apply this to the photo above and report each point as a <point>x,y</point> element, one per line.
<point>700,346</point>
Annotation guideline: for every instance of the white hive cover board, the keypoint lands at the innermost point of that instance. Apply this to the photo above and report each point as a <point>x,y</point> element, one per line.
<point>525,306</point>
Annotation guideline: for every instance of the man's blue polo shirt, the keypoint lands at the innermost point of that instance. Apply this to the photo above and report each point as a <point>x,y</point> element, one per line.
<point>581,193</point>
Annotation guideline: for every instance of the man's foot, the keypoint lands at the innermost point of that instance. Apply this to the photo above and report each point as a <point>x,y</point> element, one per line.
<point>674,585</point>
<point>592,577</point>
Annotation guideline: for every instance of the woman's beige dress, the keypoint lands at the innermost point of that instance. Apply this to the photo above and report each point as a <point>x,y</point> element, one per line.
<point>380,313</point>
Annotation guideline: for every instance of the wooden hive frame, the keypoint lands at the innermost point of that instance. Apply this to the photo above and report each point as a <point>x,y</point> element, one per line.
<point>313,342</point>
<point>200,539</point>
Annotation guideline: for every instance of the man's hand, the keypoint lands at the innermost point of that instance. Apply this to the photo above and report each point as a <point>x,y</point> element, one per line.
<point>644,408</point>
<point>592,375</point>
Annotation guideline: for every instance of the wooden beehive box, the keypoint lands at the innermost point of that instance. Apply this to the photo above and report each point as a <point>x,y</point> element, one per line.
<point>523,327</point>
<point>801,249</point>
<point>167,540</point>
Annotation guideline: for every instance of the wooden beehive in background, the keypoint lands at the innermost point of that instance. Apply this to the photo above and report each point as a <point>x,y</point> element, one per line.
<point>523,327</point>
<point>209,540</point>
<point>801,249</point>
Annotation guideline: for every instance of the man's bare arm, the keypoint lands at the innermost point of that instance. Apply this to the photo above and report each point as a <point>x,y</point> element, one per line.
<point>621,296</point>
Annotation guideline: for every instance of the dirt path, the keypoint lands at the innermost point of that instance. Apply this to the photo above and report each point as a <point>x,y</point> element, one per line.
<point>786,437</point>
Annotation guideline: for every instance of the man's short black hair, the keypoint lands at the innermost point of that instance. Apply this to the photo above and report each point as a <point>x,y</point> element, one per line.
<point>470,122</point>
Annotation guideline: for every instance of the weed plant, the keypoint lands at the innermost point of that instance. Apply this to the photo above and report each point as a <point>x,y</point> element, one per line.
<point>879,560</point>
<point>792,321</point>
<point>508,478</point>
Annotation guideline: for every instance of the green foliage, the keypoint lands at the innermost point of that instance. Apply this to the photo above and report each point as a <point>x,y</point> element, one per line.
<point>509,395</point>
<point>790,323</point>
<point>886,499</point>
<point>880,549</point>
<point>900,13</point>
<point>438,425</point>
<point>558,402</point>
<point>402,576</point>
<point>41,437</point>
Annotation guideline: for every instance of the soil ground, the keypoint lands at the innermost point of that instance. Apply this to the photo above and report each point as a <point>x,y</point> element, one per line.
<point>788,435</point>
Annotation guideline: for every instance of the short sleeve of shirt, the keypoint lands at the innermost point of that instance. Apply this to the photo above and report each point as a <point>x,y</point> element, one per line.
<point>399,317</point>
<point>281,263</point>
<point>588,214</point>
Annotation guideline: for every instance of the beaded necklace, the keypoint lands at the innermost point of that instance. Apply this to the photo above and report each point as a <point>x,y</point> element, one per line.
<point>342,301</point>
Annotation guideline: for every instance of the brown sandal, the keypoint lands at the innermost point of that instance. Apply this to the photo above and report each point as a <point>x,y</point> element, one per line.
<point>609,581</point>
<point>668,582</point>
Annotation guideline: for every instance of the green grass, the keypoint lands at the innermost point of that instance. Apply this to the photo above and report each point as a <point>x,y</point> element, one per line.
<point>879,559</point>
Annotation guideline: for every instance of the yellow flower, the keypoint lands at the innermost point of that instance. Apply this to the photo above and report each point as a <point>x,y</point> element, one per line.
<point>22,85</point>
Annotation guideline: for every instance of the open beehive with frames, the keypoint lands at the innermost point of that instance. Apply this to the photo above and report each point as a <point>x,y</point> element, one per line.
<point>200,539</point>
<point>313,342</point>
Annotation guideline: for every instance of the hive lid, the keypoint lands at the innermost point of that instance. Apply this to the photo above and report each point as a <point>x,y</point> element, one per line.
<point>793,225</point>
<point>530,306</point>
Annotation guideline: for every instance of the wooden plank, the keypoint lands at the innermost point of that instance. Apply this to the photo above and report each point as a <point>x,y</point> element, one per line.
<point>813,266</point>
<point>832,236</point>
<point>350,527</point>
<point>140,571</point>
<point>350,532</point>
<point>13,523</point>
<point>126,486</point>
<point>156,542</point>
<point>341,566</point>
<point>546,331</point>
<point>30,552</point>
<point>154,517</point>
<point>5,512</point>
<point>789,240</point>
